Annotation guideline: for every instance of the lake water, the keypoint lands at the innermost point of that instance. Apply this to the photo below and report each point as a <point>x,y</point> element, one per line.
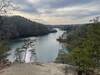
<point>46,47</point>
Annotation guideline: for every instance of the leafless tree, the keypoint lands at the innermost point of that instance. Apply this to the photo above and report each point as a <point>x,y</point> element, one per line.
<point>28,43</point>
<point>5,7</point>
<point>20,53</point>
<point>95,20</point>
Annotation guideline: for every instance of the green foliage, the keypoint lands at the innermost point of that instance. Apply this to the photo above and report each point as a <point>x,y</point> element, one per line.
<point>85,52</point>
<point>81,59</point>
<point>84,43</point>
<point>3,49</point>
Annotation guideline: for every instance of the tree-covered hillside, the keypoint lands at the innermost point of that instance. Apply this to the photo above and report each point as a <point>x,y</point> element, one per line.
<point>16,26</point>
<point>84,48</point>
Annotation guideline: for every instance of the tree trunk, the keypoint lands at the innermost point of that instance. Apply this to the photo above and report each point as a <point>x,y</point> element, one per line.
<point>79,72</point>
<point>25,55</point>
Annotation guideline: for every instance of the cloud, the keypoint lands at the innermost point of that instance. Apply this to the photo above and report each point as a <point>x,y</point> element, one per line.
<point>32,1</point>
<point>66,11</point>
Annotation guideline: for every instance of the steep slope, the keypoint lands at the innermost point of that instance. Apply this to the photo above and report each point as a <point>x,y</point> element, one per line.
<point>16,26</point>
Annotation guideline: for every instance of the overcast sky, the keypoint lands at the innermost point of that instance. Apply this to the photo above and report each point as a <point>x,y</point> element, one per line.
<point>58,11</point>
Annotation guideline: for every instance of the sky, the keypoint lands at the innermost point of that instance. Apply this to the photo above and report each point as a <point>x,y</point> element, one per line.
<point>58,11</point>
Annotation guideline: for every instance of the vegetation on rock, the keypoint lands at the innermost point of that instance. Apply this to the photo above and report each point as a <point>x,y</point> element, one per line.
<point>84,46</point>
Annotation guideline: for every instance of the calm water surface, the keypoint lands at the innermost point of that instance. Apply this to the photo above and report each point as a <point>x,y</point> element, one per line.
<point>46,47</point>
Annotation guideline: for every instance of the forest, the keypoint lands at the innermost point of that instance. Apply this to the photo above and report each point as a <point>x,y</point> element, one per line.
<point>83,45</point>
<point>12,27</point>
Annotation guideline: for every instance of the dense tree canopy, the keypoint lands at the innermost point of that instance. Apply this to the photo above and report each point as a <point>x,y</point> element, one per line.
<point>85,52</point>
<point>84,48</point>
<point>16,27</point>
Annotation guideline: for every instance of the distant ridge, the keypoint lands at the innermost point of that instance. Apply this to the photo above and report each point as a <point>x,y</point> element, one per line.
<point>17,26</point>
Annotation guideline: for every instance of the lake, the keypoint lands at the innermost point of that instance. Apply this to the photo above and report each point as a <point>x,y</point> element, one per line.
<point>46,47</point>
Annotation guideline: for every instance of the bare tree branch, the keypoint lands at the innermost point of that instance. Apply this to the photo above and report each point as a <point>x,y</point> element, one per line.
<point>6,6</point>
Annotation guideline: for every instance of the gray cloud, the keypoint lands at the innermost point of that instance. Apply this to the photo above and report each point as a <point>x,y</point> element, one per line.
<point>25,6</point>
<point>62,3</point>
<point>73,9</point>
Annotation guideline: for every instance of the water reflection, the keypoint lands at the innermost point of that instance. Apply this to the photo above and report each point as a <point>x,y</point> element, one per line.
<point>46,48</point>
